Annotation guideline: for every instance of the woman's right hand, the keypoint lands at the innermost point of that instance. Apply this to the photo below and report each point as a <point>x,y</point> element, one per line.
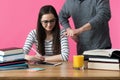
<point>34,59</point>
<point>39,57</point>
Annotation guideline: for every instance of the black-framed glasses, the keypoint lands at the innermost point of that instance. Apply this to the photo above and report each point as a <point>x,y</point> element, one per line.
<point>48,21</point>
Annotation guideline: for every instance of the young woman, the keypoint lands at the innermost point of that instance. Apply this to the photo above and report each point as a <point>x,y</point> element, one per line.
<point>50,43</point>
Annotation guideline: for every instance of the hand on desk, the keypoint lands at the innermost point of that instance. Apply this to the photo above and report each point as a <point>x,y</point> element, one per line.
<point>34,59</point>
<point>39,58</point>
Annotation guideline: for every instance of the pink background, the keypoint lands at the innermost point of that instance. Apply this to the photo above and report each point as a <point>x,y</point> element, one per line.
<point>18,17</point>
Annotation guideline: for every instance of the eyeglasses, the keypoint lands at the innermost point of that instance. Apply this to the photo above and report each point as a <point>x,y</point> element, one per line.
<point>50,21</point>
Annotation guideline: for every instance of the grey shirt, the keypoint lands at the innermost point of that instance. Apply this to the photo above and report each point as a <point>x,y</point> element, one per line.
<point>95,12</point>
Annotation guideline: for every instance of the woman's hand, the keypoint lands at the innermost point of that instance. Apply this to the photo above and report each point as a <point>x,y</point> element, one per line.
<point>34,59</point>
<point>39,57</point>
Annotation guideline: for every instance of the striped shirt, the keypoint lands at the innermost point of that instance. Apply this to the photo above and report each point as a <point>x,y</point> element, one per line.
<point>31,39</point>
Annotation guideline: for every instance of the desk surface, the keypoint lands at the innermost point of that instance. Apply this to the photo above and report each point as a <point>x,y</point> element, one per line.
<point>62,72</point>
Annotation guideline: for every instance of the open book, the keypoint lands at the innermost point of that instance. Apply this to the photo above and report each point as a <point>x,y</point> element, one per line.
<point>103,52</point>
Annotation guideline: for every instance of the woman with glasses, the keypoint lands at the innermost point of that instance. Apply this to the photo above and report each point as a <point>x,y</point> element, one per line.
<point>50,43</point>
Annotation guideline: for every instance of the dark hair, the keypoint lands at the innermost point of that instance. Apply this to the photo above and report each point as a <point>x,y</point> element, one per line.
<point>41,35</point>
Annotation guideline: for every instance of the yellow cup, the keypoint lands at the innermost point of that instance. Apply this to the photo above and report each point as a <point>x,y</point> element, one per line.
<point>78,61</point>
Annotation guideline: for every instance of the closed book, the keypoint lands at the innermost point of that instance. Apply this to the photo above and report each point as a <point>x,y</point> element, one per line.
<point>101,59</point>
<point>103,66</point>
<point>13,62</point>
<point>15,66</point>
<point>9,51</point>
<point>12,57</point>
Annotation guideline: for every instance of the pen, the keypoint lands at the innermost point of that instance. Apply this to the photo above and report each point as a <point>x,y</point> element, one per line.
<point>57,64</point>
<point>34,50</point>
<point>37,53</point>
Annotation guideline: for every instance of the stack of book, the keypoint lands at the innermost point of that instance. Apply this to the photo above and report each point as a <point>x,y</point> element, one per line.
<point>104,59</point>
<point>12,58</point>
<point>103,63</point>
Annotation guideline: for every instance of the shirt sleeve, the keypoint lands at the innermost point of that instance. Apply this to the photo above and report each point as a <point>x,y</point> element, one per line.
<point>64,46</point>
<point>29,41</point>
<point>64,14</point>
<point>103,13</point>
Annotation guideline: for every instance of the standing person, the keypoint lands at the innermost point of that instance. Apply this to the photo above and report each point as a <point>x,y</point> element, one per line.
<point>50,44</point>
<point>90,18</point>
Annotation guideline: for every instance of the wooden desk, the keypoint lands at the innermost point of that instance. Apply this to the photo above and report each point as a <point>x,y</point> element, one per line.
<point>62,72</point>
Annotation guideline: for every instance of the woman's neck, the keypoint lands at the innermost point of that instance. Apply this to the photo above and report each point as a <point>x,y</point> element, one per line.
<point>49,36</point>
